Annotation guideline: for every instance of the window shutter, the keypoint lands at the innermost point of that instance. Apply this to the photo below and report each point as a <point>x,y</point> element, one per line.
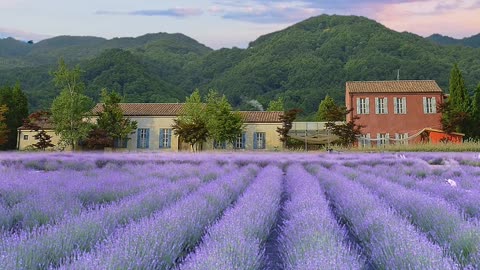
<point>434,105</point>
<point>169,142</point>
<point>395,107</point>
<point>160,138</point>
<point>424,105</point>
<point>147,144</point>
<point>385,103</point>
<point>264,140</point>
<point>406,138</point>
<point>387,136</point>
<point>244,140</point>
<point>358,106</point>
<point>377,109</point>
<point>138,138</point>
<point>396,136</point>
<point>255,146</point>
<point>367,105</point>
<point>369,142</point>
<point>404,105</point>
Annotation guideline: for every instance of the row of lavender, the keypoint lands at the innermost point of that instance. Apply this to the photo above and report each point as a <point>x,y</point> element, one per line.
<point>190,213</point>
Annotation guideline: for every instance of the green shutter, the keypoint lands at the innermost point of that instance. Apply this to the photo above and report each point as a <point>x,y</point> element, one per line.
<point>147,137</point>
<point>169,142</point>
<point>160,138</point>
<point>244,140</point>
<point>255,146</point>
<point>138,138</point>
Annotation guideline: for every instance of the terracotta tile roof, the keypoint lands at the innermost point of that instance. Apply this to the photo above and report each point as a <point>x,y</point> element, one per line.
<point>175,109</point>
<point>393,87</point>
<point>261,117</point>
<point>146,109</point>
<point>45,125</point>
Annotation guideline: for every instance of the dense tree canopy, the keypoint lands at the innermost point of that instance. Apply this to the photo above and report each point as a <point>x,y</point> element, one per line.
<point>16,101</point>
<point>302,63</point>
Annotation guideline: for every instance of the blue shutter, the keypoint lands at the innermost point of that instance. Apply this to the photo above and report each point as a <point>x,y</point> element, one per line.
<point>160,139</point>
<point>148,137</point>
<point>169,142</point>
<point>255,146</point>
<point>138,138</point>
<point>224,145</point>
<point>124,142</point>
<point>244,139</point>
<point>264,140</point>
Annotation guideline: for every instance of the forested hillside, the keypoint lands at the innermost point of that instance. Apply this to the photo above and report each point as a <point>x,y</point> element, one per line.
<point>302,63</point>
<point>473,41</point>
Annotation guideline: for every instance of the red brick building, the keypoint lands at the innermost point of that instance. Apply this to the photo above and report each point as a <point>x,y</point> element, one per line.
<point>394,111</point>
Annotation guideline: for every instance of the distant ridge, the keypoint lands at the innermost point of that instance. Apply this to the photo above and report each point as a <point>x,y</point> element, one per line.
<point>473,41</point>
<point>301,64</point>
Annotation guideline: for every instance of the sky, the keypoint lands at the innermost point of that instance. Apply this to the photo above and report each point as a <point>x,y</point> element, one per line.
<point>229,23</point>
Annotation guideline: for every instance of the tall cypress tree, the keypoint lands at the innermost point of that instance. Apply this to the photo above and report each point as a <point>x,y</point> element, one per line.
<point>475,114</point>
<point>455,112</point>
<point>459,98</point>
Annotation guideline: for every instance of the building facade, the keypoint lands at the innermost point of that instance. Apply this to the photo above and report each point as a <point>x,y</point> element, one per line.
<point>154,129</point>
<point>394,111</point>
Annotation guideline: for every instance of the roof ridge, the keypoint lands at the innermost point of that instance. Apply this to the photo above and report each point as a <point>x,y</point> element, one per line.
<point>391,81</point>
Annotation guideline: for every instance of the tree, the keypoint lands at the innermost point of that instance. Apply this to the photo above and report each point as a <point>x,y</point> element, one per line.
<point>455,111</point>
<point>329,111</point>
<point>276,105</point>
<point>70,108</point>
<point>191,125</point>
<point>223,124</point>
<point>36,121</point>
<point>347,132</point>
<point>287,119</point>
<point>17,104</point>
<point>475,113</point>
<point>98,139</point>
<point>111,119</point>
<point>3,125</point>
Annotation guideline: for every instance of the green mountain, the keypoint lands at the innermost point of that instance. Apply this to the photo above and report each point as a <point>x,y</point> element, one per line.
<point>302,63</point>
<point>473,41</point>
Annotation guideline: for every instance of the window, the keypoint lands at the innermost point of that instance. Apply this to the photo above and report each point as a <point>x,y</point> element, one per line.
<point>25,137</point>
<point>219,144</point>
<point>400,105</point>
<point>363,105</point>
<point>429,105</point>
<point>381,106</point>
<point>240,141</point>
<point>120,142</point>
<point>382,139</point>
<point>165,139</point>
<point>364,140</point>
<point>259,140</point>
<point>401,138</point>
<point>143,138</point>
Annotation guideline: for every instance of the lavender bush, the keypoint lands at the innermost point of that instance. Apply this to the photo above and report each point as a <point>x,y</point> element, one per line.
<point>389,241</point>
<point>443,222</point>
<point>158,241</point>
<point>310,237</point>
<point>235,241</point>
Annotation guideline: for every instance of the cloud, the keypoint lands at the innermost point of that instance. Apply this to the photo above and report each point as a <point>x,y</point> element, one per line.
<point>171,12</point>
<point>21,35</point>
<point>265,12</point>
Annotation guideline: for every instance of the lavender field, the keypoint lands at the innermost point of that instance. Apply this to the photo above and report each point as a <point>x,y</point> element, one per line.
<point>240,211</point>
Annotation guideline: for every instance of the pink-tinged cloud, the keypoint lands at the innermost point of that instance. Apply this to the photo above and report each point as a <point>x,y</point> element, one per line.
<point>21,35</point>
<point>429,17</point>
<point>178,12</point>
